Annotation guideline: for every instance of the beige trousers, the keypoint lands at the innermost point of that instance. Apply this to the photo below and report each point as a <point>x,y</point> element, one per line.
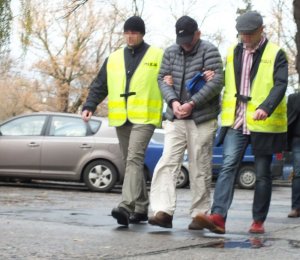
<point>198,140</point>
<point>134,140</point>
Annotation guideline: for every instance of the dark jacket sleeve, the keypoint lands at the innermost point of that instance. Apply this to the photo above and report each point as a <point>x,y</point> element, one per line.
<point>277,93</point>
<point>293,107</point>
<point>98,90</point>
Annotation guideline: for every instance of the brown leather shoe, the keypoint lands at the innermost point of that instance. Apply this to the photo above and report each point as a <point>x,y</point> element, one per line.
<point>161,219</point>
<point>195,224</point>
<point>295,213</point>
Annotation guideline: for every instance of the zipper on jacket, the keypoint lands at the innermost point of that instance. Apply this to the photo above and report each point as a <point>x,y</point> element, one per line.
<point>182,81</point>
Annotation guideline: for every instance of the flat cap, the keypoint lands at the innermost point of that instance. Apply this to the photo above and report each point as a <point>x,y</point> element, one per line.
<point>249,22</point>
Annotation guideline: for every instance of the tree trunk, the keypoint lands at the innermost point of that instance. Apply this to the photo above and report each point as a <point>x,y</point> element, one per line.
<point>296,5</point>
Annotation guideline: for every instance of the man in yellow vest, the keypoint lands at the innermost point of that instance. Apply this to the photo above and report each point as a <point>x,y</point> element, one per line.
<point>129,78</point>
<point>253,111</point>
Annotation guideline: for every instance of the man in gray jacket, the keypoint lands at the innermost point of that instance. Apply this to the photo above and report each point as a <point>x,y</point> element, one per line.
<point>191,121</point>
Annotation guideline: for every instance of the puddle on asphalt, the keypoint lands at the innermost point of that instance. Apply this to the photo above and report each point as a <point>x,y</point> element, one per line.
<point>253,242</point>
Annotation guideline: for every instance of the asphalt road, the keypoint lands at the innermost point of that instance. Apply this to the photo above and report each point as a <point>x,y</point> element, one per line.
<point>50,221</point>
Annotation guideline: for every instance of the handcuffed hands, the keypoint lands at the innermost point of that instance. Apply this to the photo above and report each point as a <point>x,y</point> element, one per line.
<point>182,111</point>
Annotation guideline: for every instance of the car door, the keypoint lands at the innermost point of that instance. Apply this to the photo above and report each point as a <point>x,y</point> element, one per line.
<point>20,145</point>
<point>66,148</point>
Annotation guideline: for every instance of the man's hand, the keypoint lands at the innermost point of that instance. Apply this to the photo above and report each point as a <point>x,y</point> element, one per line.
<point>86,115</point>
<point>168,80</point>
<point>260,114</point>
<point>176,109</point>
<point>186,109</point>
<point>208,75</point>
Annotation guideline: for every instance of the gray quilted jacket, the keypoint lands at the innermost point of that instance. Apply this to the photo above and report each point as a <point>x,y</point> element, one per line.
<point>183,67</point>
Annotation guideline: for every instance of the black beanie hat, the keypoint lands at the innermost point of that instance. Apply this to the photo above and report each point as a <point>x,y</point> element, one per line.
<point>135,23</point>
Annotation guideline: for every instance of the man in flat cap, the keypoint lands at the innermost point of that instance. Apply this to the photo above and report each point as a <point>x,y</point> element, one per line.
<point>191,121</point>
<point>253,111</point>
<point>129,78</point>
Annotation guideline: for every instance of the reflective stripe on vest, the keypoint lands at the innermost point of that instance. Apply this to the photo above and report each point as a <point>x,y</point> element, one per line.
<point>261,86</point>
<point>145,106</point>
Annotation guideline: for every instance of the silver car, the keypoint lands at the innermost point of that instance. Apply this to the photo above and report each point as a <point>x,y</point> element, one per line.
<point>60,146</point>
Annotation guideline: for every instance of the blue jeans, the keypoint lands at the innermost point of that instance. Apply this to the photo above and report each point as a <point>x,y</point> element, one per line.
<point>234,146</point>
<point>296,178</point>
<point>263,187</point>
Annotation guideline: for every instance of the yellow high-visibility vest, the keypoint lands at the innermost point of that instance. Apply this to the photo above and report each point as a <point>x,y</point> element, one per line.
<point>145,105</point>
<point>261,86</point>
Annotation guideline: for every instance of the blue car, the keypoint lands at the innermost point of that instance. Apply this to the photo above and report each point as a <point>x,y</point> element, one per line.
<point>153,154</point>
<point>246,173</point>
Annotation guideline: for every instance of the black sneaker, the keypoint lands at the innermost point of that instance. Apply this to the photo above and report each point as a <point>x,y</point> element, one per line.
<point>121,215</point>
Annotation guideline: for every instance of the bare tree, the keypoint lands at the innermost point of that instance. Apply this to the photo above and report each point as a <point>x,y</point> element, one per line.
<point>73,5</point>
<point>137,6</point>
<point>19,95</point>
<point>178,8</point>
<point>248,7</point>
<point>5,25</point>
<point>181,7</point>
<point>281,31</point>
<point>71,49</point>
<point>296,6</point>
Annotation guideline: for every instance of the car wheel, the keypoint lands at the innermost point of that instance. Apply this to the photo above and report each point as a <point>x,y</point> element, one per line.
<point>246,177</point>
<point>182,178</point>
<point>100,175</point>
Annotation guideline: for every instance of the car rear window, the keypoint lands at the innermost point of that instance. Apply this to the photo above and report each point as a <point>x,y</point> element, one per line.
<point>95,125</point>
<point>67,126</point>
